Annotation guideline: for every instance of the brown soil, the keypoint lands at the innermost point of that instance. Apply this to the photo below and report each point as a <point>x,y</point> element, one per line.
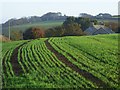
<point>84,73</point>
<point>14,61</point>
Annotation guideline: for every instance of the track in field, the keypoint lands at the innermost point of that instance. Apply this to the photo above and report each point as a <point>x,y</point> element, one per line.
<point>14,60</point>
<point>84,73</point>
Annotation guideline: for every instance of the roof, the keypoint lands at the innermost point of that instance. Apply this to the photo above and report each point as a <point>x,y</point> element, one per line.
<point>98,29</point>
<point>98,26</point>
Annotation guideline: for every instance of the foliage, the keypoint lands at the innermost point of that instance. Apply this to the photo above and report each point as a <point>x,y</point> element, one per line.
<point>33,33</point>
<point>16,35</point>
<point>83,22</point>
<point>73,29</point>
<point>24,27</point>
<point>55,31</point>
<point>35,19</point>
<point>114,26</point>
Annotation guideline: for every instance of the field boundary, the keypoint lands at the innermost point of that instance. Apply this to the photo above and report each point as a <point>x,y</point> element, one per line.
<point>84,73</point>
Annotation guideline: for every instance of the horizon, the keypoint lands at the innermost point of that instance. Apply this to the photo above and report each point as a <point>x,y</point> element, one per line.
<point>73,8</point>
<point>52,12</point>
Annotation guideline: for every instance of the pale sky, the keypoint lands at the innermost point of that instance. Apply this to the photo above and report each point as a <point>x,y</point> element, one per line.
<point>24,8</point>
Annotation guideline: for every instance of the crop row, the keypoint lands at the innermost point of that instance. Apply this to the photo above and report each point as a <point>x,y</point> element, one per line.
<point>7,51</point>
<point>54,71</point>
<point>41,68</point>
<point>105,69</point>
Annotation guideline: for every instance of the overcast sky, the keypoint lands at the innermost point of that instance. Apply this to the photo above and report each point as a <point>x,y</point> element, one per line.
<point>25,8</point>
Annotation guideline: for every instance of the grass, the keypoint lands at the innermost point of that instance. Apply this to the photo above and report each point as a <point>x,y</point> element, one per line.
<point>107,21</point>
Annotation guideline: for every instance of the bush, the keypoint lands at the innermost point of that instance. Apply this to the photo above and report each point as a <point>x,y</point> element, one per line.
<point>55,31</point>
<point>33,33</point>
<point>114,26</point>
<point>83,22</point>
<point>16,35</point>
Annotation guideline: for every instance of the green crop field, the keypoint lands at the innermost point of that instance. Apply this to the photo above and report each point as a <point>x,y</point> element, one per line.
<point>61,62</point>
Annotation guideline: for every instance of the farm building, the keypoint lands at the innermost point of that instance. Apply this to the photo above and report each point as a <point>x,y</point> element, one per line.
<point>98,29</point>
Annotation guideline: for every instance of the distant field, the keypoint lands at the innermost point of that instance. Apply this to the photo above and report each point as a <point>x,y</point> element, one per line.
<point>62,62</point>
<point>114,21</point>
<point>45,25</point>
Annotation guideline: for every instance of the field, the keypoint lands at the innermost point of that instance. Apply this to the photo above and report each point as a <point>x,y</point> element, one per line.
<point>44,24</point>
<point>61,62</point>
<point>114,20</point>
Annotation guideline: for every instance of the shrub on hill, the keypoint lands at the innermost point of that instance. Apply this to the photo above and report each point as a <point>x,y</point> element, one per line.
<point>33,33</point>
<point>72,26</point>
<point>114,26</point>
<point>83,22</point>
<point>55,31</point>
<point>73,29</point>
<point>16,35</point>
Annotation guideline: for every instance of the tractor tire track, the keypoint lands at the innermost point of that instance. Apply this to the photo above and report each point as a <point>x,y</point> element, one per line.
<point>84,73</point>
<point>83,63</point>
<point>17,69</point>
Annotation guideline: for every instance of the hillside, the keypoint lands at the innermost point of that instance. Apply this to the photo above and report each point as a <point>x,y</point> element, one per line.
<point>62,62</point>
<point>50,16</point>
<point>48,20</point>
<point>45,25</point>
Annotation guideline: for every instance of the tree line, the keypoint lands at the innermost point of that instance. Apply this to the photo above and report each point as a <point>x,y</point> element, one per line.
<point>72,26</point>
